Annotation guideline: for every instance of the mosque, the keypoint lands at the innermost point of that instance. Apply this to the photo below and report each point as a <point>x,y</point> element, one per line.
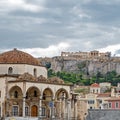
<point>26,91</point>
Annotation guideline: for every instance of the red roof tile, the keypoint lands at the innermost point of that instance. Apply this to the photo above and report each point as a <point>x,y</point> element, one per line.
<point>95,85</point>
<point>17,57</point>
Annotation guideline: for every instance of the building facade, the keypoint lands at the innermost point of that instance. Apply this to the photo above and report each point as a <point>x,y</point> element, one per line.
<point>25,90</point>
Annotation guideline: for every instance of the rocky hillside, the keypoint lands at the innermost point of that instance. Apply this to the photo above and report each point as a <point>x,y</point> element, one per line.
<point>86,66</point>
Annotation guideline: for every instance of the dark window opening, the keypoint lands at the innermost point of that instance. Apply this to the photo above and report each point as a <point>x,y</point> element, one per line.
<point>44,96</point>
<point>16,94</point>
<point>35,72</point>
<point>10,70</point>
<point>26,95</point>
<point>35,93</point>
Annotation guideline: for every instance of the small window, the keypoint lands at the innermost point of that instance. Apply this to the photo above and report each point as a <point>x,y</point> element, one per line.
<point>16,94</point>
<point>117,105</point>
<point>110,105</point>
<point>26,95</point>
<point>97,90</point>
<point>35,93</point>
<point>91,101</point>
<point>10,70</point>
<point>35,72</point>
<point>90,107</point>
<point>26,111</point>
<point>100,101</point>
<point>43,111</point>
<point>44,96</point>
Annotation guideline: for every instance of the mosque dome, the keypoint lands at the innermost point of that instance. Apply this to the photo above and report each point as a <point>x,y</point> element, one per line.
<point>18,57</point>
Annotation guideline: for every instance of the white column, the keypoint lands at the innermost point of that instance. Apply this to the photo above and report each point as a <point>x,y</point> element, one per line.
<point>23,106</point>
<point>53,115</point>
<point>64,109</point>
<point>75,103</point>
<point>40,108</point>
<point>24,97</point>
<point>68,110</point>
<point>60,113</point>
<point>1,108</point>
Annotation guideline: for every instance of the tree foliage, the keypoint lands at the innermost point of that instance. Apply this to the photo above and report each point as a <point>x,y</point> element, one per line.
<point>78,78</point>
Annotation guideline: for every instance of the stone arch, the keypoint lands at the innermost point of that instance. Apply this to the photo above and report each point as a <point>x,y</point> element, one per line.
<point>47,98</point>
<point>15,92</point>
<point>61,97</point>
<point>47,94</point>
<point>61,94</point>
<point>33,98</point>
<point>33,92</point>
<point>15,101</point>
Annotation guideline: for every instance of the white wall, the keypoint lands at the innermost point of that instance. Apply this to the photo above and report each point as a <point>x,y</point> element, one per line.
<point>22,68</point>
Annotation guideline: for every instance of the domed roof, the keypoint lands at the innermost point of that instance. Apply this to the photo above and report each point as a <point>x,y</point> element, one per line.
<point>17,57</point>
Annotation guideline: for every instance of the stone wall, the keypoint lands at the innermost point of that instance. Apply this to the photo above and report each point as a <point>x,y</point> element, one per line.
<point>70,64</point>
<point>103,115</point>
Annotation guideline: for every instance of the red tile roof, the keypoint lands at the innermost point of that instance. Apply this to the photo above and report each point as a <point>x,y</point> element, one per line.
<point>95,85</point>
<point>104,95</point>
<point>17,57</point>
<point>113,99</point>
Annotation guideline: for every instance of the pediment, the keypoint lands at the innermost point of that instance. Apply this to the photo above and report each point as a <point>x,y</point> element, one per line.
<point>26,76</point>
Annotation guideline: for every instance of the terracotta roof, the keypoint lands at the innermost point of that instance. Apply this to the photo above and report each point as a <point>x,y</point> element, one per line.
<point>17,57</point>
<point>104,95</point>
<point>113,99</point>
<point>95,85</point>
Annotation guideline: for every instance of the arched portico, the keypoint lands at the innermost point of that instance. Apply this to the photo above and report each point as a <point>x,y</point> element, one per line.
<point>61,93</point>
<point>14,102</point>
<point>37,100</point>
<point>47,101</point>
<point>32,101</point>
<point>61,98</point>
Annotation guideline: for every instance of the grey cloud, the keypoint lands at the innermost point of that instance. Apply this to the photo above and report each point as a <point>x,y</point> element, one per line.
<point>84,24</point>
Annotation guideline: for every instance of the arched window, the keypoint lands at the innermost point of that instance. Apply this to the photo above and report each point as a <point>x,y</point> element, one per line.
<point>35,72</point>
<point>16,94</point>
<point>35,93</point>
<point>10,70</point>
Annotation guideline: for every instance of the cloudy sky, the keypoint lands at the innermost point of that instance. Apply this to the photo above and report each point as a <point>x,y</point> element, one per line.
<point>47,27</point>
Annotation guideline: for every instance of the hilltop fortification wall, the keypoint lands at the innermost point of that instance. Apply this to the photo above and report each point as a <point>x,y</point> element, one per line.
<point>94,61</point>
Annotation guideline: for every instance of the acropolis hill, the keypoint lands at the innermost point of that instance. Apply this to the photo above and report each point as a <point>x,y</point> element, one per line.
<point>90,62</point>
